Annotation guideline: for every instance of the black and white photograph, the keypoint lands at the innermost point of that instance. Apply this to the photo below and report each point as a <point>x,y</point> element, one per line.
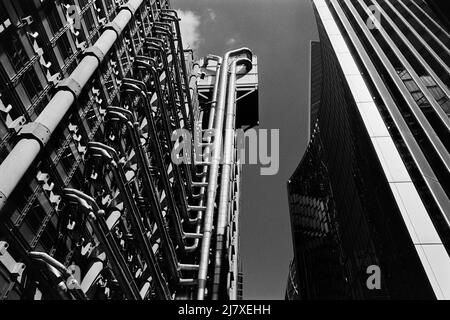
<point>237,158</point>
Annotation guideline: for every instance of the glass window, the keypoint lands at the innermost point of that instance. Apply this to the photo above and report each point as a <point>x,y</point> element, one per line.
<point>64,46</point>
<point>68,160</point>
<point>89,20</point>
<point>31,84</point>
<point>15,51</point>
<point>54,19</point>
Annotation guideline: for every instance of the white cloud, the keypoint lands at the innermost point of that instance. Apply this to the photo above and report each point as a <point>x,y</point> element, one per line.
<point>190,23</point>
<point>230,42</point>
<point>212,15</point>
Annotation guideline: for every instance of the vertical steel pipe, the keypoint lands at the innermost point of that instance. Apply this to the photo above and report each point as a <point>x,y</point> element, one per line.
<point>126,117</point>
<point>212,113</point>
<point>97,221</point>
<point>110,156</point>
<point>226,177</point>
<point>214,172</point>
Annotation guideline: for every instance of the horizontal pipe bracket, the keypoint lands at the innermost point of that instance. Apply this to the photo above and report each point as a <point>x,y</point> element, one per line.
<point>71,85</point>
<point>196,208</point>
<point>114,27</point>
<point>95,52</point>
<point>37,131</point>
<point>193,235</point>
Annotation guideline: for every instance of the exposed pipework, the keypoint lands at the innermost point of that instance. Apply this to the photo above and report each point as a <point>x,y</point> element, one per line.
<point>168,14</point>
<point>96,218</point>
<point>164,29</point>
<point>70,282</point>
<point>139,197</point>
<point>13,168</point>
<point>156,44</point>
<point>151,65</point>
<point>208,146</point>
<point>214,168</point>
<point>126,117</point>
<point>228,162</point>
<point>109,155</point>
<point>139,88</point>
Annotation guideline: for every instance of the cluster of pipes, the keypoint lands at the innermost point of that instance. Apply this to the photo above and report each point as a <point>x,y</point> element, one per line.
<point>140,222</point>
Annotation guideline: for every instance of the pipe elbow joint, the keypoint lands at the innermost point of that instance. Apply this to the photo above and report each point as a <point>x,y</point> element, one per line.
<point>247,63</point>
<point>240,52</point>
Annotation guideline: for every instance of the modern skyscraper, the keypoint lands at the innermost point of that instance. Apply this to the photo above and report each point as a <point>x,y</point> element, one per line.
<point>103,115</point>
<point>369,202</point>
<point>292,290</point>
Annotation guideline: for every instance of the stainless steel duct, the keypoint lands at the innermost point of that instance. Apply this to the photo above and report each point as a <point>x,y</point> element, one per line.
<point>96,218</point>
<point>214,170</point>
<point>212,114</point>
<point>126,118</point>
<point>109,155</point>
<point>228,161</point>
<point>70,283</point>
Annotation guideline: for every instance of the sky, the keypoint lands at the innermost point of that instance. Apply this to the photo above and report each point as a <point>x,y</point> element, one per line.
<point>279,33</point>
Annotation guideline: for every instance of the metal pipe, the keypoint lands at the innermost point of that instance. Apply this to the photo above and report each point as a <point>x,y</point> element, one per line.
<point>71,283</point>
<point>233,293</point>
<point>214,171</point>
<point>179,59</point>
<point>189,116</point>
<point>150,64</point>
<point>109,154</point>
<point>155,46</point>
<point>176,19</point>
<point>139,87</point>
<point>126,117</point>
<point>98,223</point>
<point>212,110</point>
<point>224,197</point>
<point>13,168</point>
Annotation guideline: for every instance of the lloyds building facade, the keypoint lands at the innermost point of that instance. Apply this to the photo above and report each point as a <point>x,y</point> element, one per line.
<point>373,187</point>
<point>92,203</point>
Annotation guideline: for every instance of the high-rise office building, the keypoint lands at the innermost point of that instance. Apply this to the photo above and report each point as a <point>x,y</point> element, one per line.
<point>369,202</point>
<point>103,118</point>
<point>292,289</point>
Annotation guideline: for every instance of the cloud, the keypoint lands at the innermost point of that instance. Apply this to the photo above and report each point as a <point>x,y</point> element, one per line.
<point>190,23</point>
<point>211,14</point>
<point>230,42</point>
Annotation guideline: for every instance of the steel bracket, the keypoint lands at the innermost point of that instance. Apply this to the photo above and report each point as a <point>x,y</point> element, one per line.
<point>37,131</point>
<point>69,84</point>
<point>95,52</point>
<point>114,27</point>
<point>15,268</point>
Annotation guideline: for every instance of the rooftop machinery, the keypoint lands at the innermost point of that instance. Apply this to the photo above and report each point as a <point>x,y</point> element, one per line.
<point>127,222</point>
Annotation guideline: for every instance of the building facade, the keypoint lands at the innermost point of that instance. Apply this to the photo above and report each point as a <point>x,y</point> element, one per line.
<point>369,202</point>
<point>95,202</point>
<point>292,290</point>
